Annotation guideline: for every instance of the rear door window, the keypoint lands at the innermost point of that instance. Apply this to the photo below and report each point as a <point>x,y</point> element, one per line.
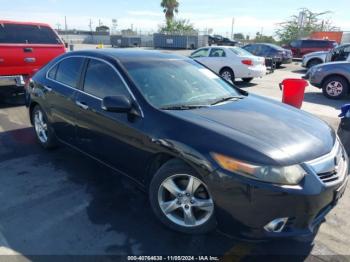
<point>217,52</point>
<point>69,71</point>
<point>27,34</point>
<point>102,80</point>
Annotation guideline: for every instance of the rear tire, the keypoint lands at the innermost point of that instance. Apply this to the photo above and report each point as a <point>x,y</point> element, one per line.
<point>183,208</point>
<point>247,80</point>
<point>43,130</point>
<point>227,74</point>
<point>335,87</point>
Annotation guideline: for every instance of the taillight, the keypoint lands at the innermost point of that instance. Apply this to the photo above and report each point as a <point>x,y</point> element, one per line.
<point>247,62</point>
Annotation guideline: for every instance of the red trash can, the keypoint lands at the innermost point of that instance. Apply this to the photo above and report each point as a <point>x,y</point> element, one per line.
<point>293,91</point>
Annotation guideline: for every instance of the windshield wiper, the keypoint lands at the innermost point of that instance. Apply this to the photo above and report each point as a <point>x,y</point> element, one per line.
<point>182,107</point>
<point>224,99</point>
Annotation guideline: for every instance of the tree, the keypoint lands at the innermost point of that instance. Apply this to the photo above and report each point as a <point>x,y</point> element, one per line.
<point>259,38</point>
<point>170,7</point>
<point>177,26</point>
<point>292,29</point>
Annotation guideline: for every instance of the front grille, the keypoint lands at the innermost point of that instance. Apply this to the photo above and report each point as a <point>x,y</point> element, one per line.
<point>332,167</point>
<point>329,176</point>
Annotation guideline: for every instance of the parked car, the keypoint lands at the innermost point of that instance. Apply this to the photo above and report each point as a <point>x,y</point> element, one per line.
<point>303,47</point>
<point>340,53</point>
<point>206,151</point>
<point>231,62</point>
<point>220,41</point>
<point>333,78</point>
<point>279,54</point>
<point>24,49</point>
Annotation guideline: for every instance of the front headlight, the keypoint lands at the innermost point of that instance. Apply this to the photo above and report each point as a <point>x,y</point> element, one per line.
<point>289,175</point>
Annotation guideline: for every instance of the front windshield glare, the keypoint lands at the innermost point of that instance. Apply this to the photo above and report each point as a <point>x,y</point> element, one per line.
<point>178,82</point>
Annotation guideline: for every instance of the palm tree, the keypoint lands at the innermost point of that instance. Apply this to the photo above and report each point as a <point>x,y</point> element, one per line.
<point>169,7</point>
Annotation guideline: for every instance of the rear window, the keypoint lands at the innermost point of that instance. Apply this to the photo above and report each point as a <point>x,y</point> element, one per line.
<point>27,34</point>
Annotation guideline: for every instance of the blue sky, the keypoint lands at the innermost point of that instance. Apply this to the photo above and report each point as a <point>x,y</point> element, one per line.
<point>250,16</point>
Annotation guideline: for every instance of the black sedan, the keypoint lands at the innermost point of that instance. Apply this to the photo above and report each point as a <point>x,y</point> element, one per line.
<point>207,152</point>
<point>270,51</point>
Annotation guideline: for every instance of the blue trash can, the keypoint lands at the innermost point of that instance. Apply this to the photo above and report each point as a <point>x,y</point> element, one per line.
<point>344,127</point>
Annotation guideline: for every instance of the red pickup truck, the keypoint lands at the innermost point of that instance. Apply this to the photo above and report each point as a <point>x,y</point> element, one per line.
<point>24,49</point>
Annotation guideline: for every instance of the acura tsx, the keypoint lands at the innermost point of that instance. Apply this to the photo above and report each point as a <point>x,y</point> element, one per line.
<point>208,153</point>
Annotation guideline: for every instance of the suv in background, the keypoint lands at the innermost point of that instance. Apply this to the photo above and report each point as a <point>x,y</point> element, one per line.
<point>340,53</point>
<point>24,49</point>
<point>303,47</point>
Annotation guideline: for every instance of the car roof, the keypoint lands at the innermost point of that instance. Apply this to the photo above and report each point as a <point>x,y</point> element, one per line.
<point>318,40</point>
<point>23,23</point>
<point>127,55</point>
<point>267,44</point>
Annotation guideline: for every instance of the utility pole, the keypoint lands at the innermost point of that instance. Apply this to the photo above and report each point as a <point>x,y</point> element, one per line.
<point>65,24</point>
<point>90,25</point>
<point>233,24</point>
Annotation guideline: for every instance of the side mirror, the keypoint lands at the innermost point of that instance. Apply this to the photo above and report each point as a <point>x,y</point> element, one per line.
<point>66,45</point>
<point>117,104</point>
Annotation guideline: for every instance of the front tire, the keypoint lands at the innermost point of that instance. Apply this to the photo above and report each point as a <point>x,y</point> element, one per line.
<point>43,130</point>
<point>335,87</point>
<point>181,200</point>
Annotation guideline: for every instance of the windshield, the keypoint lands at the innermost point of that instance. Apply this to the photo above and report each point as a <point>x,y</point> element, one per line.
<point>167,83</point>
<point>240,51</point>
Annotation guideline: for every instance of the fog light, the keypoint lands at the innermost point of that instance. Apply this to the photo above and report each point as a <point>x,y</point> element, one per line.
<point>277,225</point>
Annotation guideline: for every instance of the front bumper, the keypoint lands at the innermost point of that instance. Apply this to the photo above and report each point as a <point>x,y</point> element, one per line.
<point>244,207</point>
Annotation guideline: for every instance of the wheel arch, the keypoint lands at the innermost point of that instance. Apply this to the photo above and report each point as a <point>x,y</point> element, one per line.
<point>31,108</point>
<point>226,67</point>
<point>314,59</point>
<point>201,166</point>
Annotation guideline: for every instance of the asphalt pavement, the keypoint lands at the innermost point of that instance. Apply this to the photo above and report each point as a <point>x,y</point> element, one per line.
<point>62,203</point>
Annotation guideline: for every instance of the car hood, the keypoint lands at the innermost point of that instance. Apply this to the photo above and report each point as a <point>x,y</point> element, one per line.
<point>282,133</point>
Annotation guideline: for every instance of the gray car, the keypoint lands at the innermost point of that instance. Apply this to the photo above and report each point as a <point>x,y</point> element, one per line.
<point>333,78</point>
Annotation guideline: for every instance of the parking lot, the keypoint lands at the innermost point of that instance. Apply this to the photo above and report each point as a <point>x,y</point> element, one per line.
<point>63,203</point>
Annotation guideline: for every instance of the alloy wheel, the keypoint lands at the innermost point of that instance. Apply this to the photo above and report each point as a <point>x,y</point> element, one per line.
<point>185,200</point>
<point>334,88</point>
<point>40,126</point>
<point>226,75</point>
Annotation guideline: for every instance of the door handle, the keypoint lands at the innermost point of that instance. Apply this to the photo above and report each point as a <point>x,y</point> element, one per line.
<point>82,105</point>
<point>30,59</point>
<point>48,89</point>
<point>28,50</point>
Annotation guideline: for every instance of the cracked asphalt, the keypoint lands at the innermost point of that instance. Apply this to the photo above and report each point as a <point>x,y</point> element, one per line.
<point>63,203</point>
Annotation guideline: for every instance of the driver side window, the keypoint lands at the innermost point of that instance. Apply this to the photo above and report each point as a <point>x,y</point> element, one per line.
<point>101,80</point>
